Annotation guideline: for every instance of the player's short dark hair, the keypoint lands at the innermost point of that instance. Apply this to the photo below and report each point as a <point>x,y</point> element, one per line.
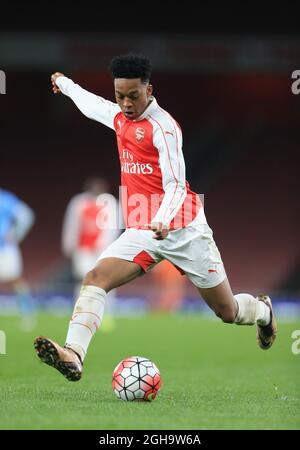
<point>131,66</point>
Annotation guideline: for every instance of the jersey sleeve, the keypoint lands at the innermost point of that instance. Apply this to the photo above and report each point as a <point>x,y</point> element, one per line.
<point>91,105</point>
<point>167,139</point>
<point>24,219</point>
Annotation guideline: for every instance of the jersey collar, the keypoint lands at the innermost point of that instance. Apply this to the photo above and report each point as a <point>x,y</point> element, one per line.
<point>149,110</point>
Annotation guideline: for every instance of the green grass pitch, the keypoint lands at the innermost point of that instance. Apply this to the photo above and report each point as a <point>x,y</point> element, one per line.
<point>214,377</point>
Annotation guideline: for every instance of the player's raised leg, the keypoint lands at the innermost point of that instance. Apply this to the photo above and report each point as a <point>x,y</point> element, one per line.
<point>243,309</point>
<point>108,274</point>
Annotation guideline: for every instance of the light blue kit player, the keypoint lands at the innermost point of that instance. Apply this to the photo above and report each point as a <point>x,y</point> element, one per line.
<point>16,219</point>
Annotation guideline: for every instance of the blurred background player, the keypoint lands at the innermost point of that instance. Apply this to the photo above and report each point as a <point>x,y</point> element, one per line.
<point>89,226</point>
<point>16,219</point>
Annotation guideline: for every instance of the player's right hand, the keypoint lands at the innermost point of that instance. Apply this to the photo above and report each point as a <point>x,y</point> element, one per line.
<point>54,77</point>
<point>160,230</point>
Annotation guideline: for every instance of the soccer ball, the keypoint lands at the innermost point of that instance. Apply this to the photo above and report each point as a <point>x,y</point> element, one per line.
<point>136,378</point>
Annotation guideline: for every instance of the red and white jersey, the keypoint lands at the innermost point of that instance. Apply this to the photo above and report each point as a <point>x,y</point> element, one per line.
<point>154,187</point>
<point>81,230</point>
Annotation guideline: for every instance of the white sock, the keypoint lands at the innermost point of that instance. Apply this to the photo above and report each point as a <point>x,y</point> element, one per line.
<point>251,311</point>
<point>86,319</point>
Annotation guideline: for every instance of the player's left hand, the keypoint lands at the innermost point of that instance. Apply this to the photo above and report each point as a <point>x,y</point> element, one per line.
<point>161,231</point>
<point>54,77</point>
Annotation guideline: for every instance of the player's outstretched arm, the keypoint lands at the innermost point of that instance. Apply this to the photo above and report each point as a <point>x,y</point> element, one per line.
<point>91,105</point>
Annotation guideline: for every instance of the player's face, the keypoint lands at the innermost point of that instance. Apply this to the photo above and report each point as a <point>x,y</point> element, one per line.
<point>132,96</point>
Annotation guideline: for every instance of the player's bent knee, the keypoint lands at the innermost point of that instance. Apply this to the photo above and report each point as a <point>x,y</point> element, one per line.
<point>111,273</point>
<point>90,277</point>
<point>97,277</point>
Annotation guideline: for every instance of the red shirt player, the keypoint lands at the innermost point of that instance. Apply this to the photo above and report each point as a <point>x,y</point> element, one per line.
<point>157,203</point>
<point>83,237</point>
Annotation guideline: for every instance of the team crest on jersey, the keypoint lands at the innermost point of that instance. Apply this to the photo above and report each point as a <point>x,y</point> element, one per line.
<point>140,134</point>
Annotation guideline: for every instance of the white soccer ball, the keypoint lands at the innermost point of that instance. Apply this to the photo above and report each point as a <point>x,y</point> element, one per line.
<point>136,378</point>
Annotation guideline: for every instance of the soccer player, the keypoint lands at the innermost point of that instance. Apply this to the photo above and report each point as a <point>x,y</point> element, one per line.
<point>164,218</point>
<point>84,235</point>
<point>16,220</point>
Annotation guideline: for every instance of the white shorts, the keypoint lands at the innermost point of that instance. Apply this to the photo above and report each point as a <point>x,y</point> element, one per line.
<point>192,250</point>
<point>11,265</point>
